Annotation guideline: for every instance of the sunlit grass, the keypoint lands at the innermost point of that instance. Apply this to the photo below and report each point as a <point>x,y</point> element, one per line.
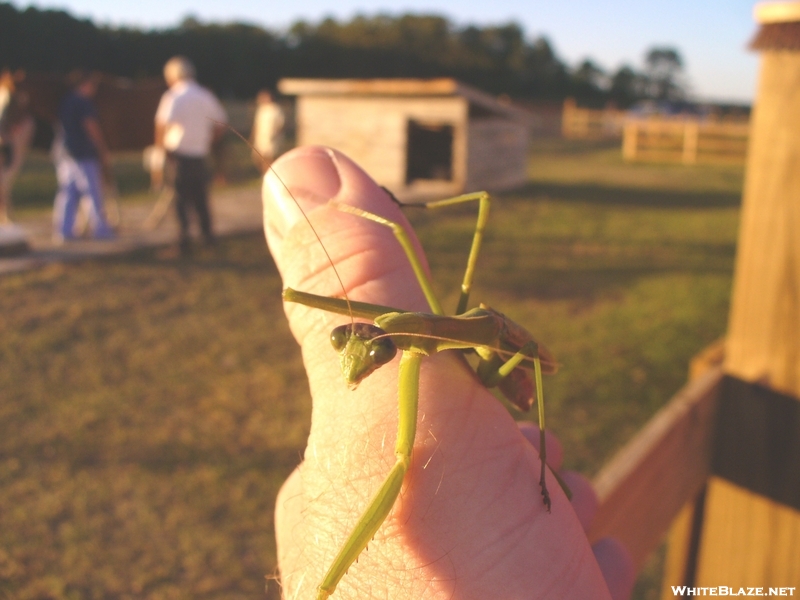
<point>152,407</point>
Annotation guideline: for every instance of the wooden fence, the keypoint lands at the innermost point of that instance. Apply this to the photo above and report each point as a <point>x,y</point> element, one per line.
<point>680,139</point>
<point>647,483</point>
<point>687,141</point>
<point>590,124</point>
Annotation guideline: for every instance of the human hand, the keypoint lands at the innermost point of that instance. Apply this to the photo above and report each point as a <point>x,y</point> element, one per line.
<point>469,522</point>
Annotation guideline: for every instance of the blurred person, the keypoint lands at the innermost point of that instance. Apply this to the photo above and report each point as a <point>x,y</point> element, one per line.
<point>189,120</point>
<point>267,135</point>
<point>6,94</point>
<point>16,132</point>
<point>82,160</point>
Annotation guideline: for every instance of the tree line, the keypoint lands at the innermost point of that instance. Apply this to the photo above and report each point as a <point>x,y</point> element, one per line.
<point>238,59</point>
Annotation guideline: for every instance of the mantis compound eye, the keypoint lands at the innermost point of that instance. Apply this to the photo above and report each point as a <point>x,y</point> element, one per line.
<point>382,350</point>
<point>366,341</point>
<point>339,337</point>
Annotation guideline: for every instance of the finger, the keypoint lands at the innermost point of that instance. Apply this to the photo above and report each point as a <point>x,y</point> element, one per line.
<point>555,451</point>
<point>584,498</point>
<point>290,533</point>
<point>616,566</point>
<point>325,251</point>
<point>301,226</point>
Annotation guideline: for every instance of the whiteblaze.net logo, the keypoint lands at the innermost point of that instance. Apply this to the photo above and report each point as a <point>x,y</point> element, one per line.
<point>683,591</point>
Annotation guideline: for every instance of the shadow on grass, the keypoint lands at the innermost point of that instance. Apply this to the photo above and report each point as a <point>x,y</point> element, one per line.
<point>590,284</point>
<point>557,271</point>
<point>598,194</point>
<point>231,253</point>
<point>81,452</point>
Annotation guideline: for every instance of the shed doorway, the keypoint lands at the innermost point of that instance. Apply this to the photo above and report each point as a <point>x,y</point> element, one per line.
<point>429,152</point>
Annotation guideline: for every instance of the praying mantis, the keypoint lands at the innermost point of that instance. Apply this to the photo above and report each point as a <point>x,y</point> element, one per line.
<point>507,354</point>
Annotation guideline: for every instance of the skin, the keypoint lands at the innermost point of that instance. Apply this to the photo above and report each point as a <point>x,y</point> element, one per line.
<point>469,522</point>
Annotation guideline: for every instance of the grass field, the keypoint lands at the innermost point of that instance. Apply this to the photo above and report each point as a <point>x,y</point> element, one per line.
<point>152,407</point>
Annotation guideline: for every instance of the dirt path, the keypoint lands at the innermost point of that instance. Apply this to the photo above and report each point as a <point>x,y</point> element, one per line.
<point>234,211</point>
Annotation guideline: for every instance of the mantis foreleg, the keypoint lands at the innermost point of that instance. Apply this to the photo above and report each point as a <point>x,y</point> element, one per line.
<point>384,499</point>
<point>484,202</point>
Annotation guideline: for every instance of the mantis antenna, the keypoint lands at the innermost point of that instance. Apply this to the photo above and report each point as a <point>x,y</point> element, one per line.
<point>300,208</point>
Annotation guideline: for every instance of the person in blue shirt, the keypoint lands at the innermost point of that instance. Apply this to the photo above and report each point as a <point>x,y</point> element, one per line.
<point>81,157</point>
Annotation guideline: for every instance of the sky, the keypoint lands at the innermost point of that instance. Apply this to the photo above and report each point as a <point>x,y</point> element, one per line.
<point>711,35</point>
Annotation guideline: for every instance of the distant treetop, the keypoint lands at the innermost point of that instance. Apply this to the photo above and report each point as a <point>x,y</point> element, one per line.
<point>237,59</point>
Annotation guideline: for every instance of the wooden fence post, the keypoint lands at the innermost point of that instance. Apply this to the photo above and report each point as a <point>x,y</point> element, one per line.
<point>568,117</point>
<point>749,533</point>
<point>691,131</point>
<point>630,138</point>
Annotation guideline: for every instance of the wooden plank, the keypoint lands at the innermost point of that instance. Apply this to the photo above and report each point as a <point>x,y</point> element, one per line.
<point>648,482</point>
<point>393,87</point>
<point>749,540</point>
<point>406,88</point>
<point>630,140</point>
<point>685,529</point>
<point>498,155</point>
<point>678,541</point>
<point>685,140</point>
<point>586,123</point>
<point>763,343</point>
<point>726,129</point>
<point>372,131</point>
<point>691,133</point>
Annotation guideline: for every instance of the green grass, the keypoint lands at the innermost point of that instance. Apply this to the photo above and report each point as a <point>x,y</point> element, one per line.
<point>151,408</point>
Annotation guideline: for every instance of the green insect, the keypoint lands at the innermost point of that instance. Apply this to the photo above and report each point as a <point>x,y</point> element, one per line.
<point>507,357</point>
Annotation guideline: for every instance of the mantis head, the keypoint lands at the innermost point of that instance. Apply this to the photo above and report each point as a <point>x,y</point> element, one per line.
<point>362,348</point>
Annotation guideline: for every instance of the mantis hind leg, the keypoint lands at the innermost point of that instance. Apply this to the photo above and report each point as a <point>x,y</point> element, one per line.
<point>383,500</point>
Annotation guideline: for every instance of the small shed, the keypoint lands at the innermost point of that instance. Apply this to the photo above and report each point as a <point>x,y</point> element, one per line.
<point>418,137</point>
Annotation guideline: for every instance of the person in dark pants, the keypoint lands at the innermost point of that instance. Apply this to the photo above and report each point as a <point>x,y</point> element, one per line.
<point>189,120</point>
<point>82,159</point>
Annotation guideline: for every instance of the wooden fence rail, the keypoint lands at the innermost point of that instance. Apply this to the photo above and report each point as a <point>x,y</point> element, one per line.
<point>663,467</point>
<point>590,124</point>
<point>687,141</point>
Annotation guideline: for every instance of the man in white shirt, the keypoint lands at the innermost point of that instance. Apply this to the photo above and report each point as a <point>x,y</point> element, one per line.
<point>189,120</point>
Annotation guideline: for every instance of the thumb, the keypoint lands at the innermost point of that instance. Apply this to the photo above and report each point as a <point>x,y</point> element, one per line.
<point>471,515</point>
<point>312,242</point>
<point>322,250</point>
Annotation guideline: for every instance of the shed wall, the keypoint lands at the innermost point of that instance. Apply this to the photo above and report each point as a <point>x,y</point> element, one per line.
<point>498,150</point>
<point>372,131</point>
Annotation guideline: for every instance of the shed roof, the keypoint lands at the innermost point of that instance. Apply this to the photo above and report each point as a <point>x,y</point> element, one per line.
<point>780,26</point>
<point>442,86</point>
